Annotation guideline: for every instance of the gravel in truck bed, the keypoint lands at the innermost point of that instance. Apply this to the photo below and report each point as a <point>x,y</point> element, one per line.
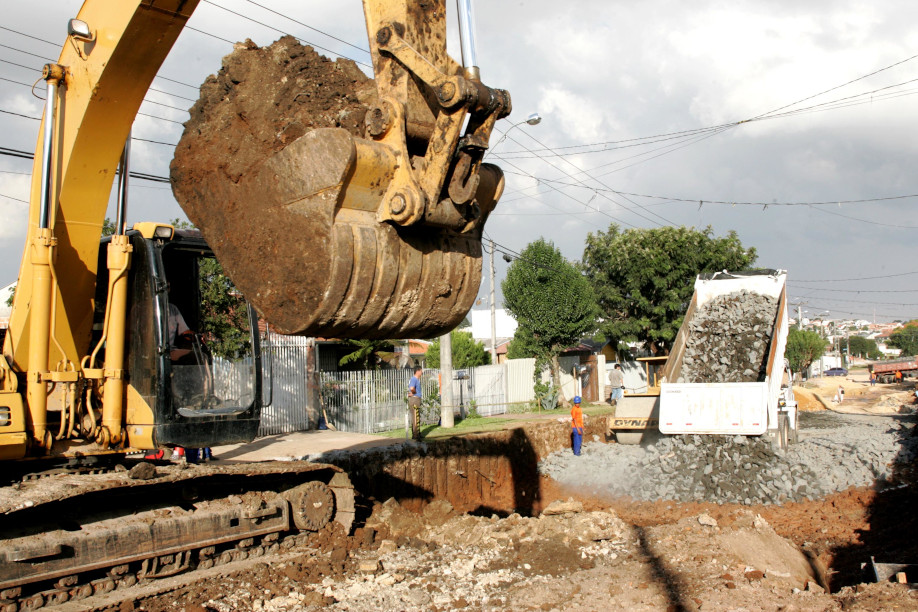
<point>728,339</point>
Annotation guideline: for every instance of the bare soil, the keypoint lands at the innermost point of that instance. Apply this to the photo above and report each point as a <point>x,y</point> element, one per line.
<point>581,552</point>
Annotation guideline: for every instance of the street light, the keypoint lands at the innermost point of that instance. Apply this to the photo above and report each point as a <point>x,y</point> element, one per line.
<point>532,119</point>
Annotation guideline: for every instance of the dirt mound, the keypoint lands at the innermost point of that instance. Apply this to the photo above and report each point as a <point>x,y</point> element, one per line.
<point>807,401</point>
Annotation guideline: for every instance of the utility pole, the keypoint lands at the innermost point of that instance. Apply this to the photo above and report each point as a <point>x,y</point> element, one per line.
<point>446,381</point>
<point>493,311</point>
<point>800,306</point>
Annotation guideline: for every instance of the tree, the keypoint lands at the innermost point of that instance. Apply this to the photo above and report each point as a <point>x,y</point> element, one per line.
<point>368,354</point>
<point>523,346</point>
<point>467,352</point>
<point>906,338</point>
<point>803,348</point>
<point>644,278</point>
<point>551,300</point>
<point>224,312</point>
<point>863,347</point>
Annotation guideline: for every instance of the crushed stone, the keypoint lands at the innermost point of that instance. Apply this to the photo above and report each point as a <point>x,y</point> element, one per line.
<point>854,451</point>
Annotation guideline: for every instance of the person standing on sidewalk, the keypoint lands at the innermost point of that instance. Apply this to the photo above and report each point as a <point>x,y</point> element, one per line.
<point>576,426</point>
<point>617,382</point>
<point>414,403</point>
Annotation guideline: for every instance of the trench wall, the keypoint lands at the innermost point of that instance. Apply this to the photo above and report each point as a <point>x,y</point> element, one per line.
<point>494,472</point>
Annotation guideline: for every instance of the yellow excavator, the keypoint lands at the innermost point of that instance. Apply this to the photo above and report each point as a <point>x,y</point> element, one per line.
<point>93,364</point>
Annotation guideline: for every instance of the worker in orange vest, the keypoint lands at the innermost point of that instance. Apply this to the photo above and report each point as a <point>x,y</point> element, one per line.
<point>898,376</point>
<point>576,426</point>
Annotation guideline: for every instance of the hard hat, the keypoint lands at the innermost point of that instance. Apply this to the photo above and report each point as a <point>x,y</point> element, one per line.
<point>576,399</point>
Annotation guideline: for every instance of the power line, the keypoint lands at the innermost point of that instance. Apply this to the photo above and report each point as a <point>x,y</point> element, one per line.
<point>831,299</point>
<point>247,18</point>
<point>703,201</point>
<point>30,36</point>
<point>6,112</point>
<point>58,46</point>
<point>761,116</point>
<point>859,314</point>
<point>139,175</point>
<point>30,68</point>
<point>341,40</point>
<point>584,204</point>
<point>12,198</point>
<point>791,284</point>
<point>908,59</point>
<point>838,214</point>
<point>844,280</point>
<point>580,171</point>
<point>15,153</point>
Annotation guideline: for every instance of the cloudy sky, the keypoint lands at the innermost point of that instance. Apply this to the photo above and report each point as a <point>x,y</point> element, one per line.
<point>789,122</point>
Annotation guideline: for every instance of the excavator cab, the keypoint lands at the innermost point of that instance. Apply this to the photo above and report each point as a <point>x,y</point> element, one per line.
<point>193,364</point>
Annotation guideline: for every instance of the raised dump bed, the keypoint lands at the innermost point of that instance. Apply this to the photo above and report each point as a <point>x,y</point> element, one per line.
<point>726,373</point>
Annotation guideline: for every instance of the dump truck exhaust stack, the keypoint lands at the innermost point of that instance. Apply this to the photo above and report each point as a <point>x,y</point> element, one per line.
<point>340,227</point>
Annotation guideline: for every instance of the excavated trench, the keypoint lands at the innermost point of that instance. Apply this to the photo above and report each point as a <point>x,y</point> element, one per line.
<point>497,473</point>
<point>489,473</point>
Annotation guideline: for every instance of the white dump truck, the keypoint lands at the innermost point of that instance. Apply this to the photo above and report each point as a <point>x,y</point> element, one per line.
<point>726,373</point>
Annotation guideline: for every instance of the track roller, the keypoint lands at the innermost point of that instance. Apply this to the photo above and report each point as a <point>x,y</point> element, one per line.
<point>313,505</point>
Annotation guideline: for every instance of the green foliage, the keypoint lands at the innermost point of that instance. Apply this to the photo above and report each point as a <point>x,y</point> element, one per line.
<point>803,348</point>
<point>467,352</point>
<point>9,300</point>
<point>863,347</point>
<point>524,346</point>
<point>644,278</point>
<point>224,312</point>
<point>906,338</point>
<point>546,396</point>
<point>368,354</point>
<point>181,224</point>
<point>108,227</point>
<point>550,300</point>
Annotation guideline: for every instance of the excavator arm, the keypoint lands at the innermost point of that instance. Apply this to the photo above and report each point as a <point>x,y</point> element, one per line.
<point>370,235</point>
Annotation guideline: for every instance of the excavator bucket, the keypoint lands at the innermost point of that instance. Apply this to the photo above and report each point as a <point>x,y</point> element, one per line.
<point>339,206</point>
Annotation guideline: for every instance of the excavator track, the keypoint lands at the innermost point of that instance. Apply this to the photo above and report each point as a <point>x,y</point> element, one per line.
<point>68,537</point>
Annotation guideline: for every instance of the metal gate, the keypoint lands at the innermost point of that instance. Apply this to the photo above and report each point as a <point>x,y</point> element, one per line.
<point>489,389</point>
<point>285,389</point>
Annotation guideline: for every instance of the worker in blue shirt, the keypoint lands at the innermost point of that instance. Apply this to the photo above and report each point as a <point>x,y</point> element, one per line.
<point>414,403</point>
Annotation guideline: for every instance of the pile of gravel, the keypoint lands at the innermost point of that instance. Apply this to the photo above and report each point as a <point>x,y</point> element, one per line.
<point>855,451</point>
<point>729,338</point>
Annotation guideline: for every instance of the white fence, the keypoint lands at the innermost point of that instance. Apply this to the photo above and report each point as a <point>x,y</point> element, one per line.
<point>368,401</point>
<point>376,401</point>
<point>285,390</point>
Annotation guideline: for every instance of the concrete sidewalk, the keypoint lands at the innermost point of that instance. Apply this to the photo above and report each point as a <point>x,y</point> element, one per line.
<point>297,445</point>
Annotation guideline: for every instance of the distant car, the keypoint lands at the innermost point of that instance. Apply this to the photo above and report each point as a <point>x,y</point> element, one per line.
<point>836,372</point>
